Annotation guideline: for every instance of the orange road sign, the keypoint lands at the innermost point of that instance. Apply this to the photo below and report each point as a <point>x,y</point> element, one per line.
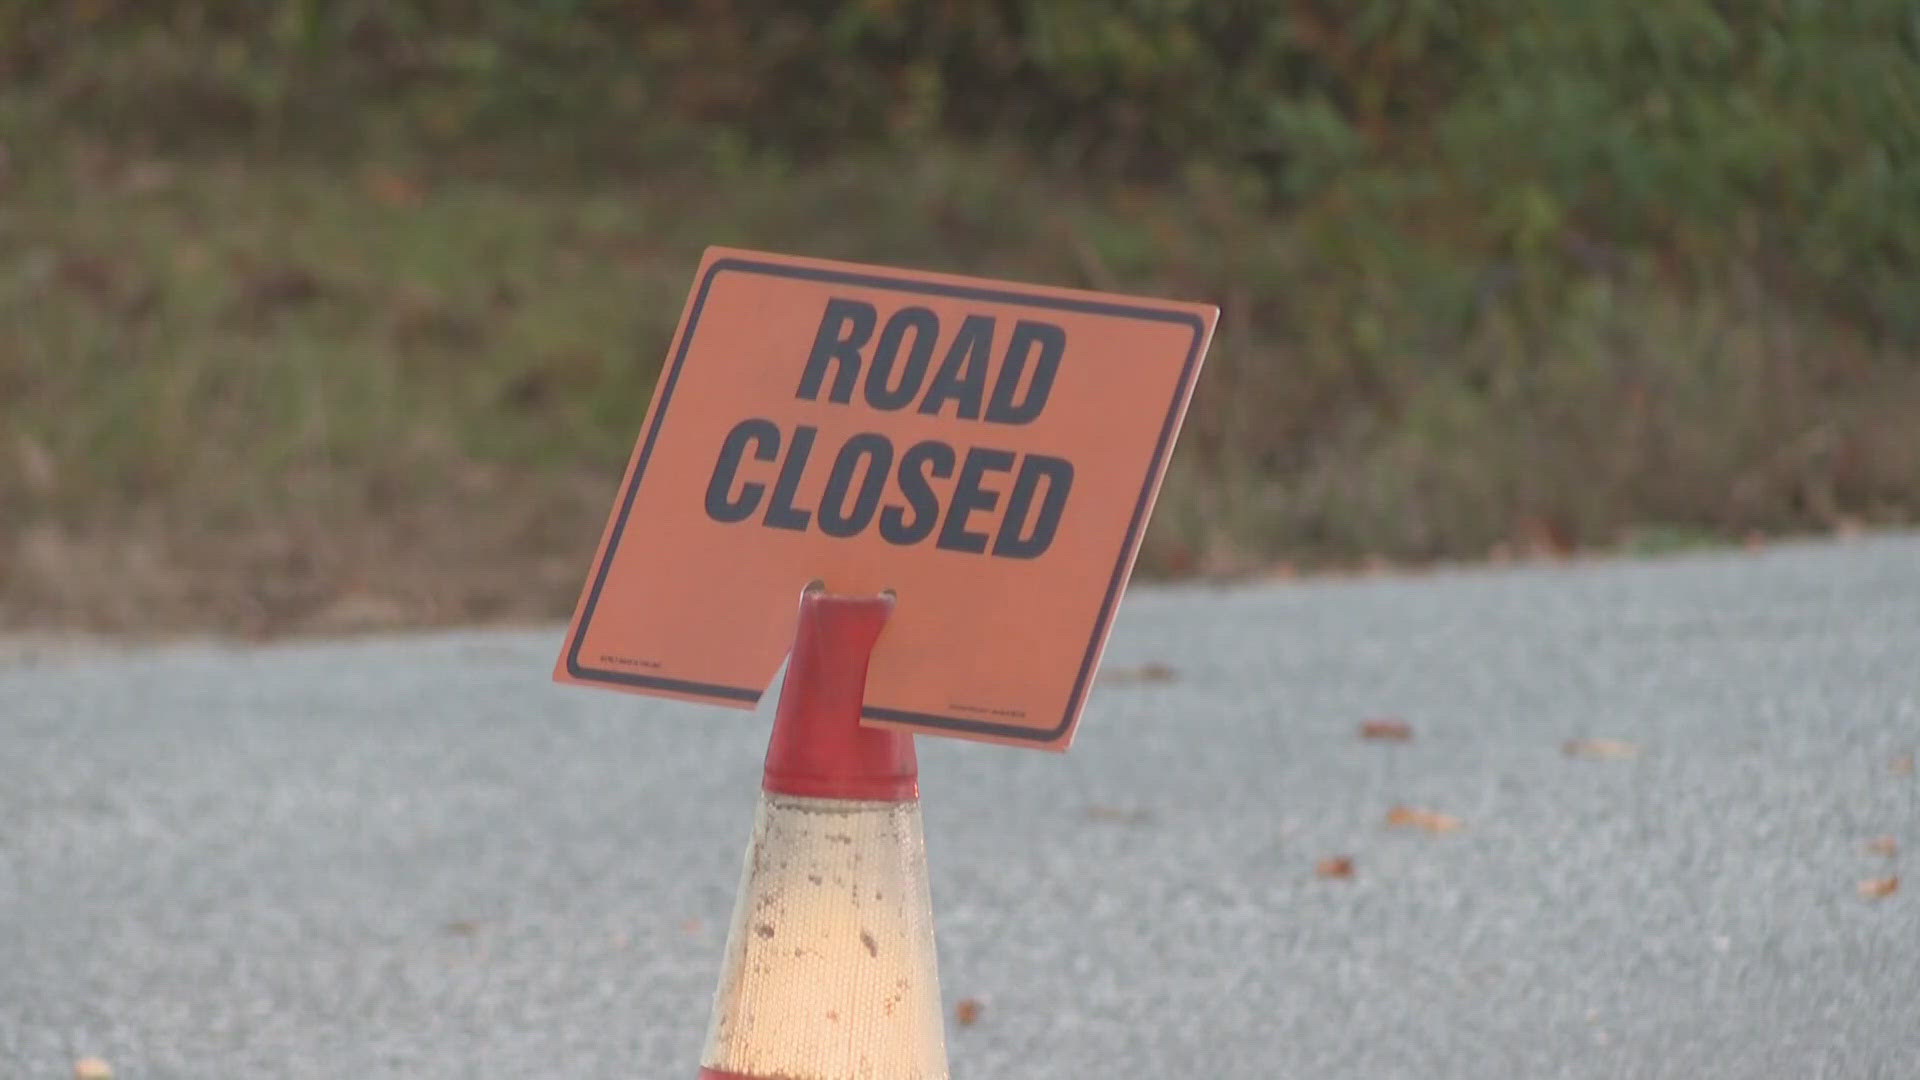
<point>988,451</point>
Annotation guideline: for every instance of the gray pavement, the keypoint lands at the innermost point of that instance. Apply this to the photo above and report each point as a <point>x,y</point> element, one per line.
<point>417,857</point>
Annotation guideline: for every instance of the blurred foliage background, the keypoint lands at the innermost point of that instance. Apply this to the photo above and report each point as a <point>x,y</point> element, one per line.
<point>327,314</point>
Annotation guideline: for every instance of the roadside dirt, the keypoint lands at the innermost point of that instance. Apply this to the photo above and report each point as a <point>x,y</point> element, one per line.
<point>507,552</point>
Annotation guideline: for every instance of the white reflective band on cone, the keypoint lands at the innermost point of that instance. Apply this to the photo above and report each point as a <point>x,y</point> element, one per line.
<point>830,970</point>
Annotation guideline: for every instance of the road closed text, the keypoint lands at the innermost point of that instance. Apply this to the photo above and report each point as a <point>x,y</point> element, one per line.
<point>976,499</point>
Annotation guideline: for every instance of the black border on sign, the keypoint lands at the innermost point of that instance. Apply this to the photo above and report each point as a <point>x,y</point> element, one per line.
<point>965,292</point>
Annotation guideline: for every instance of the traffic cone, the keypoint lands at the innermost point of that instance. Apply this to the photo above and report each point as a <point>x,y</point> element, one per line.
<point>830,969</point>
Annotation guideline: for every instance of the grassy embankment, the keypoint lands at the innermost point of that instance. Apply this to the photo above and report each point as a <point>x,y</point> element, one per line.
<point>281,381</point>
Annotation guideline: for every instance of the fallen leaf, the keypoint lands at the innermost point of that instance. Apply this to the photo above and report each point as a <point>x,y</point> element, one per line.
<point>1884,845</point>
<point>1600,749</point>
<point>967,1012</point>
<point>1422,819</point>
<point>92,1068</point>
<point>1386,730</point>
<point>1877,888</point>
<point>1119,814</point>
<point>1152,671</point>
<point>1336,866</point>
<point>1903,765</point>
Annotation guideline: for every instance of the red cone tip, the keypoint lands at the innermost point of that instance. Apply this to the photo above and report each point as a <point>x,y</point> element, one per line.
<point>819,747</point>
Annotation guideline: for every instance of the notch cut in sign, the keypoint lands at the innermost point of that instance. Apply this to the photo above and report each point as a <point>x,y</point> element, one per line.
<point>991,450</point>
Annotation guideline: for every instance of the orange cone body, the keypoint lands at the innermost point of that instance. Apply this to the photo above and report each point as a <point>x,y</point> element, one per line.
<point>830,969</point>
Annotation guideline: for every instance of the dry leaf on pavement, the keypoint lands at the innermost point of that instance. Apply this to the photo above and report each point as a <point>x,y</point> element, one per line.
<point>1152,671</point>
<point>92,1068</point>
<point>1119,814</point>
<point>1600,749</point>
<point>1429,820</point>
<point>967,1012</point>
<point>1337,866</point>
<point>1387,730</point>
<point>1877,888</point>
<point>1884,845</point>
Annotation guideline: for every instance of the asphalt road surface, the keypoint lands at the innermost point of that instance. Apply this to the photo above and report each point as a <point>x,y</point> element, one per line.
<point>417,857</point>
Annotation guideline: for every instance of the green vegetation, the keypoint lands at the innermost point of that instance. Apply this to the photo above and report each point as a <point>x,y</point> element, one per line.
<point>308,302</point>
